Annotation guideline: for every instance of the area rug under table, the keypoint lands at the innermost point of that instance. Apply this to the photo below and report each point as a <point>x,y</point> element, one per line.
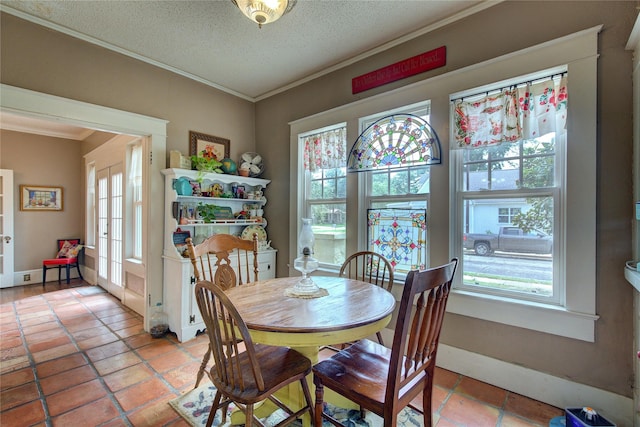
<point>194,407</point>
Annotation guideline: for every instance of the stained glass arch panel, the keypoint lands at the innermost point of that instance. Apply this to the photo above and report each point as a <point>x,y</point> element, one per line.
<point>397,140</point>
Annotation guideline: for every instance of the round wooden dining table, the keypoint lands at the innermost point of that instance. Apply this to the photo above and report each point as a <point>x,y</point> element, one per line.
<point>352,310</point>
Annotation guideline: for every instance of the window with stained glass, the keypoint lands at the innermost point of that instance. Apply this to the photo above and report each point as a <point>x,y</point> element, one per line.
<point>393,155</point>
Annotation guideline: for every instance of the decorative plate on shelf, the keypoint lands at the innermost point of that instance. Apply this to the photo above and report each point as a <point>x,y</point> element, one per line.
<point>247,233</point>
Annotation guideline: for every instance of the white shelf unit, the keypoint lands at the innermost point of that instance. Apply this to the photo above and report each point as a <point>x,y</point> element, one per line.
<point>179,280</point>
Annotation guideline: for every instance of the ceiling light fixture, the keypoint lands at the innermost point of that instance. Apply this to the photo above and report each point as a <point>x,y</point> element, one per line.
<point>264,11</point>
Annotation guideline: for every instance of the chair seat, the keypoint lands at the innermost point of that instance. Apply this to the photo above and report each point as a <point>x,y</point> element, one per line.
<point>280,366</point>
<point>362,368</point>
<point>59,261</point>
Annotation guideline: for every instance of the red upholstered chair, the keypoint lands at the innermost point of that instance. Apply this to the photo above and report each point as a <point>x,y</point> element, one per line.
<point>68,253</point>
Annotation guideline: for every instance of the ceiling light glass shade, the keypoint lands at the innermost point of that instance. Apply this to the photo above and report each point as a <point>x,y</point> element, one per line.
<point>264,11</point>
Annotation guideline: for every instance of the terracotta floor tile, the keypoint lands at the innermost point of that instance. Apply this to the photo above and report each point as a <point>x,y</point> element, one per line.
<point>38,320</point>
<point>141,393</point>
<point>156,348</point>
<point>85,324</point>
<point>8,341</point>
<point>443,422</point>
<point>92,414</point>
<point>438,397</point>
<point>12,353</point>
<point>183,377</point>
<point>513,421</point>
<point>60,365</point>
<point>75,397</point>
<point>158,413</point>
<point>24,415</point>
<point>16,396</point>
<point>482,391</point>
<point>127,377</point>
<point>126,323</point>
<point>9,324</point>
<point>138,341</point>
<point>117,362</point>
<point>45,335</point>
<point>16,378</point>
<point>131,331</point>
<point>130,363</point>
<point>54,353</point>
<point>199,349</point>
<point>107,350</point>
<point>170,360</point>
<point>85,334</point>
<point>49,343</point>
<point>469,412</point>
<point>67,379</point>
<point>120,422</point>
<point>14,364</point>
<point>531,409</point>
<point>97,341</point>
<point>28,330</point>
<point>119,317</point>
<point>445,378</point>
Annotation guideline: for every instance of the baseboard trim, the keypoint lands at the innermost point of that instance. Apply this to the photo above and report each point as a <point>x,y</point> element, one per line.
<point>546,388</point>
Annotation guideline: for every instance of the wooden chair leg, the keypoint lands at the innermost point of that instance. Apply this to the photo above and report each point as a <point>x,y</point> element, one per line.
<point>317,422</point>
<point>44,275</point>
<point>203,366</point>
<point>79,273</point>
<point>68,269</point>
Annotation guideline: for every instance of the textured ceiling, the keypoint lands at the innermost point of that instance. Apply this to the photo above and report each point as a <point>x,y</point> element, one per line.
<point>212,42</point>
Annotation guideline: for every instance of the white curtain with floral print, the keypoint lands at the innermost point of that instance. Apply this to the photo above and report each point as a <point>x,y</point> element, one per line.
<point>513,114</point>
<point>325,150</point>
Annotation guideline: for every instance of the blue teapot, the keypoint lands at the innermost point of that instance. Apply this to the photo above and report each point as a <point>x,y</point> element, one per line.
<point>183,186</point>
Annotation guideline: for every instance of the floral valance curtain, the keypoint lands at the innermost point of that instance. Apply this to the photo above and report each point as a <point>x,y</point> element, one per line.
<point>511,115</point>
<point>325,150</point>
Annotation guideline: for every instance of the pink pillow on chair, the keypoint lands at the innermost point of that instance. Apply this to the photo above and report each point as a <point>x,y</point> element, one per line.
<point>69,250</point>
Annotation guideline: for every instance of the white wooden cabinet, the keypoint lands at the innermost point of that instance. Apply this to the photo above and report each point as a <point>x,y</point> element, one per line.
<point>179,280</point>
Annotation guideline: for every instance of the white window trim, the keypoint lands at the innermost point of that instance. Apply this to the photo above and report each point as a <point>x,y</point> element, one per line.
<point>579,52</point>
<point>577,318</point>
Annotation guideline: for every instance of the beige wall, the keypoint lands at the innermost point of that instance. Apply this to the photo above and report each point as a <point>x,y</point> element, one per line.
<point>41,160</point>
<point>42,60</point>
<point>504,28</point>
<point>45,61</point>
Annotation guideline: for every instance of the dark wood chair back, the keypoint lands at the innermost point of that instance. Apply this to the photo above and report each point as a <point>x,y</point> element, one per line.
<point>225,260</point>
<point>250,376</point>
<point>369,267</point>
<point>385,381</point>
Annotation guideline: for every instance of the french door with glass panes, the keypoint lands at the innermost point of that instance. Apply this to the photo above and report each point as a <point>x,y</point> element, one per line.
<point>110,228</point>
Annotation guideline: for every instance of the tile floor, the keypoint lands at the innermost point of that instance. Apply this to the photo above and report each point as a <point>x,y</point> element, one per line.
<point>72,355</point>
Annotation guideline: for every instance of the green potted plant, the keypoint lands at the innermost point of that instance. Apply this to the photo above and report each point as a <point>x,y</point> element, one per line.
<point>205,164</point>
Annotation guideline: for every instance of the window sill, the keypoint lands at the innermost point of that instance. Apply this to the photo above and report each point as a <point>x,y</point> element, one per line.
<point>538,317</point>
<point>134,266</point>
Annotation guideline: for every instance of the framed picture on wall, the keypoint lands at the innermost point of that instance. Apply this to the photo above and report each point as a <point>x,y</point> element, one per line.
<point>203,145</point>
<point>40,198</point>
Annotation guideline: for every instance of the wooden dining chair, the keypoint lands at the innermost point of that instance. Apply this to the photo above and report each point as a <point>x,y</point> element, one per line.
<point>382,380</point>
<point>250,376</point>
<point>227,261</point>
<point>369,267</point>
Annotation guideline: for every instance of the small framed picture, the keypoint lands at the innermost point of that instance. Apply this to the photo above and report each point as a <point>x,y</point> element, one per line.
<point>209,146</point>
<point>40,198</point>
